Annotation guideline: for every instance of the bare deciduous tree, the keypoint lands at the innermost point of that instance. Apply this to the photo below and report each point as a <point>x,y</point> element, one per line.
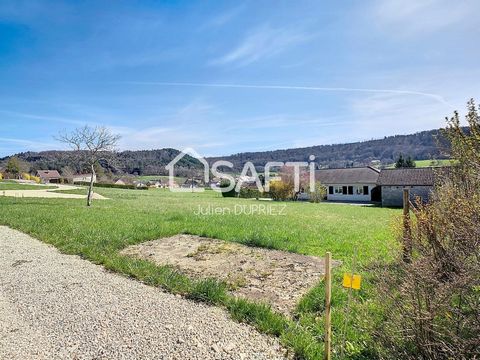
<point>91,144</point>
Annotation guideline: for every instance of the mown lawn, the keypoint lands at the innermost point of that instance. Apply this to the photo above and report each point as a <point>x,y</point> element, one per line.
<point>133,216</point>
<point>6,185</point>
<point>429,163</point>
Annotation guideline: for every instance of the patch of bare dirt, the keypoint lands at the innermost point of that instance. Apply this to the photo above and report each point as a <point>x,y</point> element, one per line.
<point>277,277</point>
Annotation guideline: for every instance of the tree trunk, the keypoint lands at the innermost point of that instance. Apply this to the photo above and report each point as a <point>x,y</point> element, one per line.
<point>90,188</point>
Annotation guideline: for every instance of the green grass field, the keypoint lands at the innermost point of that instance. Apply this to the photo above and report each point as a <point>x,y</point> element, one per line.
<point>429,163</point>
<point>131,216</point>
<point>7,185</point>
<point>434,163</point>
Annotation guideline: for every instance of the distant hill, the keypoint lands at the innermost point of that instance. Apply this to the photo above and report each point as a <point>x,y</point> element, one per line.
<point>143,162</point>
<point>419,146</point>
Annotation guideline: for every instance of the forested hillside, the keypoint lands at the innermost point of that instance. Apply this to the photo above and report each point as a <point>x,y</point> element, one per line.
<point>422,145</point>
<point>144,162</point>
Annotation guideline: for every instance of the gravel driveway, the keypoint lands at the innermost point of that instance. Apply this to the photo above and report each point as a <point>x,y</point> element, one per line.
<point>49,193</point>
<point>56,306</point>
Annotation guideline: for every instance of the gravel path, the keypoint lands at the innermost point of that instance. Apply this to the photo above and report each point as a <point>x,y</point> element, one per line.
<point>49,193</point>
<point>56,306</point>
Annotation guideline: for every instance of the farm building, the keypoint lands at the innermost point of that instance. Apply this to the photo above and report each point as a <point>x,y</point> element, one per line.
<point>392,182</point>
<point>49,176</point>
<point>350,184</point>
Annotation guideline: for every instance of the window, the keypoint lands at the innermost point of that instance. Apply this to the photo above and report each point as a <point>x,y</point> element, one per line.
<point>338,190</point>
<point>365,190</point>
<point>330,190</point>
<point>358,190</point>
<point>350,190</point>
<point>344,190</point>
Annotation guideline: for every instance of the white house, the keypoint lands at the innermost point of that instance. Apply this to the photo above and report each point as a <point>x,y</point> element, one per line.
<point>350,184</point>
<point>84,178</point>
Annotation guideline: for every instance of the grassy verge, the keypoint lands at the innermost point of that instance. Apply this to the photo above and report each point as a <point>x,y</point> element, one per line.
<point>132,217</point>
<point>81,191</point>
<point>4,185</point>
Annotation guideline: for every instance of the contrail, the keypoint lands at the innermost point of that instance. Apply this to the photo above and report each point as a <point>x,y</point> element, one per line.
<point>435,97</point>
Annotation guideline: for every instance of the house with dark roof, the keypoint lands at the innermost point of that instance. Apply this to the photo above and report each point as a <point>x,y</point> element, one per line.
<point>350,184</point>
<point>419,181</point>
<point>49,176</point>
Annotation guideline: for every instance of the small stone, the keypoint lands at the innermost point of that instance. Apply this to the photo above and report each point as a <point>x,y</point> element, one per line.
<point>229,347</point>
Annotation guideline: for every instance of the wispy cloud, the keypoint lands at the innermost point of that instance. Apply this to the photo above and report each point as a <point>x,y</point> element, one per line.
<point>384,114</point>
<point>28,145</point>
<point>436,97</point>
<point>261,43</point>
<point>15,114</point>
<point>417,17</point>
<point>164,137</point>
<point>223,18</point>
<point>280,121</point>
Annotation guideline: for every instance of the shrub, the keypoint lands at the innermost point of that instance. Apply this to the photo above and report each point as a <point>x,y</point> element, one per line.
<point>26,176</point>
<point>280,190</point>
<point>432,301</point>
<point>319,193</point>
<point>250,193</point>
<point>35,178</point>
<point>225,184</point>
<point>1,176</point>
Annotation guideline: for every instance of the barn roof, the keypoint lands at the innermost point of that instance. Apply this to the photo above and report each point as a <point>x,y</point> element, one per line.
<point>48,174</point>
<point>359,175</point>
<point>407,177</point>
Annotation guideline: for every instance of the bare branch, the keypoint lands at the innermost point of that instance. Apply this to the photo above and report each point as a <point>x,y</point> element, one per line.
<point>90,145</point>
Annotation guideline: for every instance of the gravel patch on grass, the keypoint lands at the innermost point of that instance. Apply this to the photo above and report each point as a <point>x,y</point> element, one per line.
<point>56,306</point>
<point>276,277</point>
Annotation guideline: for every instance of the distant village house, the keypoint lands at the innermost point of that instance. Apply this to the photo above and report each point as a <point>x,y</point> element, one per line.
<point>84,178</point>
<point>49,176</point>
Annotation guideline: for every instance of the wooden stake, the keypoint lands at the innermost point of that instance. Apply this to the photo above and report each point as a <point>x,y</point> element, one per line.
<point>328,298</point>
<point>407,232</point>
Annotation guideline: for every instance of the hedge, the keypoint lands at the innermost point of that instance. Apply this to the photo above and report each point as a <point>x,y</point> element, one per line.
<point>115,186</point>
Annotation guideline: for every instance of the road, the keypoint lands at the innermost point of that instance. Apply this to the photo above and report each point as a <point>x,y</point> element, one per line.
<point>57,306</point>
<point>49,193</point>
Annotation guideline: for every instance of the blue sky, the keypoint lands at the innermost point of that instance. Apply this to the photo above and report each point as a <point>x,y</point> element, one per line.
<point>230,76</point>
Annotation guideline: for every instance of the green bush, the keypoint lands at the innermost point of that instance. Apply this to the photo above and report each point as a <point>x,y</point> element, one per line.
<point>230,193</point>
<point>249,193</point>
<point>281,190</point>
